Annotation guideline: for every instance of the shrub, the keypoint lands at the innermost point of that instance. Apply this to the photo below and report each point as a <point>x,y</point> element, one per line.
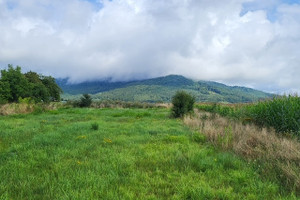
<point>85,100</point>
<point>183,103</point>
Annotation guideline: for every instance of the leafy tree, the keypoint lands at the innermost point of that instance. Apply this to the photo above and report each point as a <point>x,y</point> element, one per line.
<point>85,100</point>
<point>5,92</point>
<point>14,86</point>
<point>33,77</point>
<point>183,103</point>
<point>15,81</point>
<point>39,92</point>
<point>53,89</point>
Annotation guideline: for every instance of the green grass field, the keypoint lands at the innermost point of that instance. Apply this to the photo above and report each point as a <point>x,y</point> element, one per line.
<point>118,154</point>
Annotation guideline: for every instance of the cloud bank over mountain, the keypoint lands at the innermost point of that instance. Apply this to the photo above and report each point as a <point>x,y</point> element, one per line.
<point>242,42</point>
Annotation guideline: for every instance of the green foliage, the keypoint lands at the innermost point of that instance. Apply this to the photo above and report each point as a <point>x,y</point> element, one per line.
<point>39,91</point>
<point>234,111</point>
<point>16,82</point>
<point>183,103</point>
<point>15,85</point>
<point>53,89</point>
<point>85,101</point>
<point>152,157</point>
<point>124,104</point>
<point>281,113</point>
<point>26,100</point>
<point>5,92</point>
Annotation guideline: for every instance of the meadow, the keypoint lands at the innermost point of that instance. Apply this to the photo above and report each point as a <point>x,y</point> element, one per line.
<point>88,153</point>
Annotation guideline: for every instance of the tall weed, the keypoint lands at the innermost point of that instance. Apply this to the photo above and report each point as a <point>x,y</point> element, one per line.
<point>276,156</point>
<point>280,113</point>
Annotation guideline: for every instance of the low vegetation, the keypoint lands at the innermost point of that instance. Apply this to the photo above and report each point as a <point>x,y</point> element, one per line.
<point>281,113</point>
<point>84,101</point>
<point>119,104</point>
<point>26,106</point>
<point>86,153</point>
<point>266,133</point>
<point>123,150</point>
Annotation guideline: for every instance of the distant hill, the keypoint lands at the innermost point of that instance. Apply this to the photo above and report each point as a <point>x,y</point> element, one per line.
<point>161,90</point>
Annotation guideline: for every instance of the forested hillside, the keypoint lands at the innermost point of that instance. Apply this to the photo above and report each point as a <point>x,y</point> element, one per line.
<point>162,89</point>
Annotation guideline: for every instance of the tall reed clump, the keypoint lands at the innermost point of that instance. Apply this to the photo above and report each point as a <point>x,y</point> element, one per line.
<point>276,157</point>
<point>281,113</point>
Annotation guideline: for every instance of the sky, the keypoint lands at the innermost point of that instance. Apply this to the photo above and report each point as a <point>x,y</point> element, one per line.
<point>252,43</point>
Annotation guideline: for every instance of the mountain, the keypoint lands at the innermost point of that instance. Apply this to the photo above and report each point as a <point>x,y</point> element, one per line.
<point>162,89</point>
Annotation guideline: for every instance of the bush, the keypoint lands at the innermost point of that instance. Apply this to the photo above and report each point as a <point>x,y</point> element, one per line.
<point>183,103</point>
<point>85,100</point>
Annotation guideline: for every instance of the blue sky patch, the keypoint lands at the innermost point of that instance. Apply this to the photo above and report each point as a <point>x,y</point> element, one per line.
<point>11,5</point>
<point>269,7</point>
<point>97,3</point>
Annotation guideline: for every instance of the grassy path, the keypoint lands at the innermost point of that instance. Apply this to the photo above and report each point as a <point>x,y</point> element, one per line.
<point>134,154</point>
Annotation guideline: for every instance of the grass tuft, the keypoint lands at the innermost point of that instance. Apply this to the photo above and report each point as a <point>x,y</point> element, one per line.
<point>94,126</point>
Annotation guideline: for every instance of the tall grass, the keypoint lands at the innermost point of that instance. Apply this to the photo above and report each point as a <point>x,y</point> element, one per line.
<point>134,154</point>
<point>275,157</point>
<point>280,113</point>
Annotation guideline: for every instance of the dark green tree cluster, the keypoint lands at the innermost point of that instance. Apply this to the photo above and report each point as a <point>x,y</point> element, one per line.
<point>183,103</point>
<point>15,85</point>
<point>85,100</point>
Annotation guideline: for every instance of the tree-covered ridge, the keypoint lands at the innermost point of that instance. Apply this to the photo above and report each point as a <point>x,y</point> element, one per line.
<point>15,85</point>
<point>162,89</point>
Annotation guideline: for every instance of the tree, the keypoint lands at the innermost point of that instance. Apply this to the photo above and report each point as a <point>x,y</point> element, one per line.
<point>33,77</point>
<point>53,89</point>
<point>39,92</point>
<point>5,92</point>
<point>15,81</point>
<point>183,103</point>
<point>85,100</point>
<point>15,85</point>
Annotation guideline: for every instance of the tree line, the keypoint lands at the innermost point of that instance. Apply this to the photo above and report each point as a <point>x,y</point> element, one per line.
<point>15,85</point>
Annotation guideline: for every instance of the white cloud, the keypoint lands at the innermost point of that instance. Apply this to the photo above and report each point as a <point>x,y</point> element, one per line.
<point>128,39</point>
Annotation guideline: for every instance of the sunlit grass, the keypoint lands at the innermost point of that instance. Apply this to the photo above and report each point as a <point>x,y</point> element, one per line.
<point>132,154</point>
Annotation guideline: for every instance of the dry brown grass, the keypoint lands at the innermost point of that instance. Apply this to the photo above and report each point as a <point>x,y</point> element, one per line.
<point>24,108</point>
<point>15,108</point>
<point>279,155</point>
